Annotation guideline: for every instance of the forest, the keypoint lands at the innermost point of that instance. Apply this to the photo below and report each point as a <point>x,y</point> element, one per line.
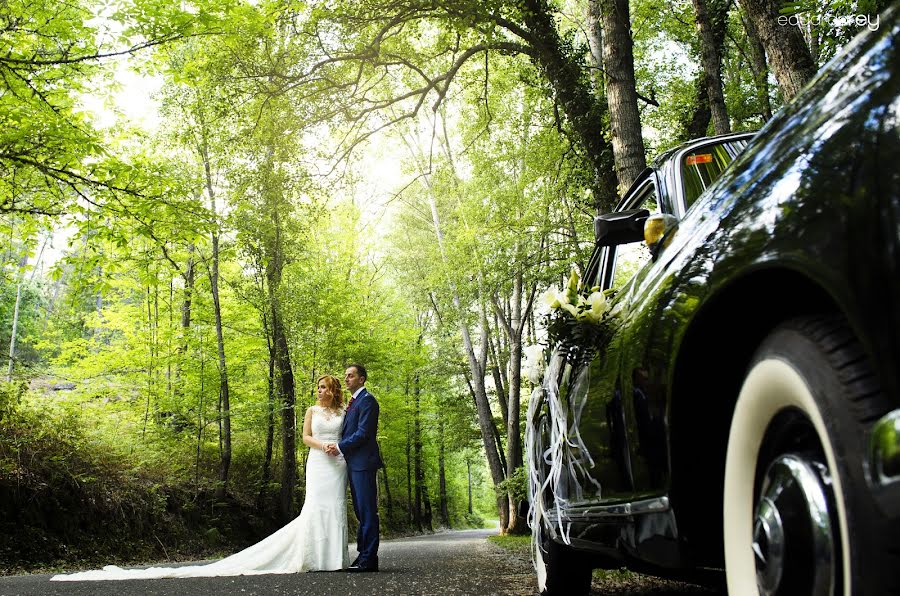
<point>206,205</point>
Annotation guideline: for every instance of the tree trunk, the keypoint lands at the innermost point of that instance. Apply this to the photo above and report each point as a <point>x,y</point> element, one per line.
<point>387,494</point>
<point>270,419</point>
<point>711,16</point>
<point>498,382</point>
<point>149,365</point>
<point>409,481</point>
<point>186,303</point>
<point>697,123</point>
<point>427,518</point>
<point>479,392</point>
<point>157,369</point>
<point>15,322</point>
<point>811,36</point>
<point>514,328</point>
<point>285,390</point>
<point>224,393</point>
<point>442,475</point>
<point>594,18</point>
<point>225,396</point>
<point>758,66</point>
<point>169,378</point>
<point>469,472</point>
<point>200,413</point>
<point>621,94</point>
<point>501,364</point>
<point>12,338</point>
<point>417,455</point>
<point>784,44</point>
<point>573,94</point>
<point>284,373</point>
<point>489,434</point>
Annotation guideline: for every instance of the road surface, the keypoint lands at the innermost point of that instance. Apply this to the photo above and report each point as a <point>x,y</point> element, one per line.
<point>460,562</point>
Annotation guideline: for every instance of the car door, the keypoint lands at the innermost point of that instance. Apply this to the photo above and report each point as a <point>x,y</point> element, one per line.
<point>643,344</point>
<point>603,421</point>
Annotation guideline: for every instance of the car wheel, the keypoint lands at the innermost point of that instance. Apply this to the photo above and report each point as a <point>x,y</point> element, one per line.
<point>798,515</point>
<point>562,570</point>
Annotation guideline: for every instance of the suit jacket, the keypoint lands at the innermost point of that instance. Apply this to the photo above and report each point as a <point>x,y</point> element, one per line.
<point>358,442</point>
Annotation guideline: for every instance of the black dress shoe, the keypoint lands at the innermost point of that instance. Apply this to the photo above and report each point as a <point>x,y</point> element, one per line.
<point>355,562</point>
<point>364,567</point>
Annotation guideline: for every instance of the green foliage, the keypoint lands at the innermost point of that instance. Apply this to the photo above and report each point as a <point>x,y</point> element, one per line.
<point>29,324</point>
<point>70,492</point>
<point>10,397</point>
<point>516,485</point>
<point>830,25</point>
<point>266,111</point>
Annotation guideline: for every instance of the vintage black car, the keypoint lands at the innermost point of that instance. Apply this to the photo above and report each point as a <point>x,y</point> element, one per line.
<point>737,411</point>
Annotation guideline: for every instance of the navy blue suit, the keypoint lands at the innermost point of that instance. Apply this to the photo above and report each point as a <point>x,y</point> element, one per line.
<point>363,460</point>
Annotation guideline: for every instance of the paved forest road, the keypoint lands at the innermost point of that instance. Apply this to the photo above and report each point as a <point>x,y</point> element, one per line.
<point>461,562</point>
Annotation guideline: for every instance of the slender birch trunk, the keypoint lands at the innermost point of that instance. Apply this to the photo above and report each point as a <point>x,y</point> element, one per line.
<point>224,393</point>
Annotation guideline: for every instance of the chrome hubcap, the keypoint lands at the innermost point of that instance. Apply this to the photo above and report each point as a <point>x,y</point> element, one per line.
<point>792,532</point>
<point>768,546</point>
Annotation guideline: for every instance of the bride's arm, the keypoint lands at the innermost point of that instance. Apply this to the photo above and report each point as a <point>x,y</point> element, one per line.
<point>308,439</point>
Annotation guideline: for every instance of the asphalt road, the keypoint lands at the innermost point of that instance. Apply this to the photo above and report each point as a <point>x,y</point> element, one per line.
<point>462,562</point>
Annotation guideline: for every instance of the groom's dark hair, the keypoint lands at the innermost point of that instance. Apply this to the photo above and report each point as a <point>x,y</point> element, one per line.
<point>360,370</point>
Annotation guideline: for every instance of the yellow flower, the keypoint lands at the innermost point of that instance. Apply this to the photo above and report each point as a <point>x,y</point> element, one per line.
<point>573,286</point>
<point>595,306</point>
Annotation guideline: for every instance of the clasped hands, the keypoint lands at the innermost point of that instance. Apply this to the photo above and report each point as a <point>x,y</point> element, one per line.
<point>331,449</point>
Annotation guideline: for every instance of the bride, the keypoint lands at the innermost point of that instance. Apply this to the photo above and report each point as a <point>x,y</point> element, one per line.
<point>315,541</point>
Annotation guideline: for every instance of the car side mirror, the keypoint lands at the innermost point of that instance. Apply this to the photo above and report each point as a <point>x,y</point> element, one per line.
<point>620,227</point>
<point>659,229</point>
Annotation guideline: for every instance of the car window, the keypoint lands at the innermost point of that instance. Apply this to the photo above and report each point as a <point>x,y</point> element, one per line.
<point>629,258</point>
<point>702,167</point>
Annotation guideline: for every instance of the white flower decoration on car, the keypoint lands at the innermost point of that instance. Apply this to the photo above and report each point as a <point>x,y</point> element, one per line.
<point>550,298</point>
<point>534,363</point>
<point>595,307</point>
<point>584,304</point>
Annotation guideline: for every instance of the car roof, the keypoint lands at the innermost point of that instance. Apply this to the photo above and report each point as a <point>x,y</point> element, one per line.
<point>660,160</point>
<point>662,157</point>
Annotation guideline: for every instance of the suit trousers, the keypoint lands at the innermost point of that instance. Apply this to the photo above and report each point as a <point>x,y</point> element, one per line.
<point>364,491</point>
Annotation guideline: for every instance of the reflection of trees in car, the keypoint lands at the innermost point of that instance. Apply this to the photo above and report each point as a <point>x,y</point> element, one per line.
<point>631,257</point>
<point>743,412</point>
<point>699,169</point>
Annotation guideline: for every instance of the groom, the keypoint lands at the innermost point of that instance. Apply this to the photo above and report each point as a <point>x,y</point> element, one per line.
<point>363,457</point>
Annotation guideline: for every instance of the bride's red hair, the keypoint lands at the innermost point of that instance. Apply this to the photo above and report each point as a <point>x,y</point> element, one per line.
<point>334,397</point>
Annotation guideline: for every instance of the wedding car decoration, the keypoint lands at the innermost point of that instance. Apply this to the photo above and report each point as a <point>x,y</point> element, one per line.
<point>577,315</point>
<point>575,311</point>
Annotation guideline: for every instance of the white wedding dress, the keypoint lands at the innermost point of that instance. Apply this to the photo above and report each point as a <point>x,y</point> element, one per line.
<point>316,540</point>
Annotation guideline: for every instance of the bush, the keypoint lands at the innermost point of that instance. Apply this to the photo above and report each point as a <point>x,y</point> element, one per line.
<point>515,486</point>
<point>10,397</point>
<point>67,496</point>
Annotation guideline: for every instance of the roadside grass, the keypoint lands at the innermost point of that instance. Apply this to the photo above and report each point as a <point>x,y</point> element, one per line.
<point>521,545</point>
<point>614,582</point>
<point>517,544</point>
<point>614,575</point>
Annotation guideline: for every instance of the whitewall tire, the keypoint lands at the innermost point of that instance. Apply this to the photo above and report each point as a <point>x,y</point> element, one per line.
<point>796,504</point>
